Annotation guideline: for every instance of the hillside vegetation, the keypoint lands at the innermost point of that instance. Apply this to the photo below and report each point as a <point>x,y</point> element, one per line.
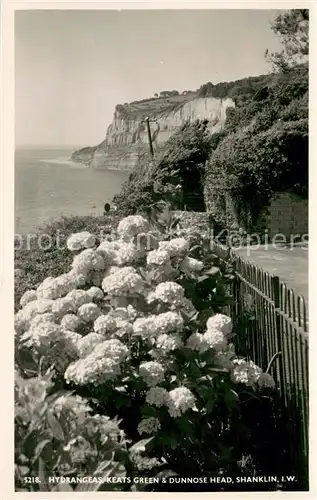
<point>262,148</point>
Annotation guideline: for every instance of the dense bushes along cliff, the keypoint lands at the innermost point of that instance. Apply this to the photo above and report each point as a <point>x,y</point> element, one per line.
<point>262,149</point>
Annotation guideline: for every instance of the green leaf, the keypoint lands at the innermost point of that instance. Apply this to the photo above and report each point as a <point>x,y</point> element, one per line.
<point>56,427</point>
<point>39,448</point>
<point>141,445</point>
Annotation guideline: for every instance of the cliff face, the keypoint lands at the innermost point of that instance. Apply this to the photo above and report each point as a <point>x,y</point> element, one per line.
<point>127,136</point>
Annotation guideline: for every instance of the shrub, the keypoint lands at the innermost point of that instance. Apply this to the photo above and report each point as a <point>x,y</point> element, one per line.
<point>153,348</point>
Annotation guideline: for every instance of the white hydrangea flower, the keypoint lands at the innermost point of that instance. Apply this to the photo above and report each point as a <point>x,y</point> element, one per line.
<point>123,281</point>
<point>95,293</point>
<point>266,380</point>
<point>91,370</point>
<point>87,343</point>
<point>75,280</point>
<point>43,334</point>
<point>54,288</point>
<point>42,318</point>
<point>152,372</point>
<point>21,323</point>
<point>108,250</point>
<point>245,372</point>
<point>126,254</point>
<point>146,327</point>
<point>88,312</point>
<point>77,405</point>
<point>132,225</point>
<point>71,322</point>
<point>88,260</point>
<point>79,241</point>
<point>112,348</point>
<point>169,322</point>
<point>156,396</point>
<point>105,324</point>
<point>63,306</point>
<point>72,336</point>
<point>24,317</point>
<point>179,401</point>
<point>78,297</point>
<point>220,322</point>
<point>177,247</point>
<point>149,425</point>
<point>197,342</point>
<point>158,258</point>
<point>191,265</point>
<point>124,327</point>
<point>167,292</point>
<point>27,297</point>
<point>215,339</point>
<point>167,343</point>
<point>47,289</point>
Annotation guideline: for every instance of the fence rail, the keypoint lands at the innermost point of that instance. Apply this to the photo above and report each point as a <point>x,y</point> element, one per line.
<point>276,327</point>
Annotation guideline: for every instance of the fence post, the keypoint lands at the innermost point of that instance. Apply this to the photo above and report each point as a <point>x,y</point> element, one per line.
<point>278,322</point>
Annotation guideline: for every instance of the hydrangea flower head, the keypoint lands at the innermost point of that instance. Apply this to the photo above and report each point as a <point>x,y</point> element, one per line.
<point>87,343</point>
<point>179,401</point>
<point>220,322</point>
<point>156,396</point>
<point>42,318</point>
<point>177,247</point>
<point>27,297</point>
<point>245,372</point>
<point>78,297</point>
<point>158,258</point>
<point>167,343</point>
<point>105,324</point>
<point>149,425</point>
<point>71,322</point>
<point>63,306</point>
<point>132,225</point>
<point>167,292</point>
<point>92,369</point>
<point>152,372</point>
<point>79,241</point>
<point>95,293</point>
<point>215,339</point>
<point>88,260</point>
<point>88,312</point>
<point>124,281</point>
<point>190,265</point>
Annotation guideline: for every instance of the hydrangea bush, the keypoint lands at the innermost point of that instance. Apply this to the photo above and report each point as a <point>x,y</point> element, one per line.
<point>136,331</point>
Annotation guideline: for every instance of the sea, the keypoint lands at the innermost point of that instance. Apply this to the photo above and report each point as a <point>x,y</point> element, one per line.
<point>48,185</point>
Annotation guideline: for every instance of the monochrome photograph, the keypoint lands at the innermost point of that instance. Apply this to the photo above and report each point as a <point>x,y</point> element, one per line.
<point>161,239</point>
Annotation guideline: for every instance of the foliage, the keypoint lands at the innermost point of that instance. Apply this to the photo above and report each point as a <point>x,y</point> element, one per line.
<point>35,259</point>
<point>293,29</point>
<point>168,289</point>
<point>175,174</point>
<point>264,149</point>
<point>57,435</point>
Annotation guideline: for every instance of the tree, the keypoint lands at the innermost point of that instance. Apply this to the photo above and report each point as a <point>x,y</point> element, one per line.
<point>293,29</point>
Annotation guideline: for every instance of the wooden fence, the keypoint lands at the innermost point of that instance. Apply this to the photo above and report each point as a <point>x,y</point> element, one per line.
<point>275,335</point>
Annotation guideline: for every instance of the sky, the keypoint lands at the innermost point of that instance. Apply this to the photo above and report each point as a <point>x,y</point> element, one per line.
<point>73,67</point>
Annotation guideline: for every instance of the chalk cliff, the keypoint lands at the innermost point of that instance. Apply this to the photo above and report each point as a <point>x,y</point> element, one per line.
<point>127,136</point>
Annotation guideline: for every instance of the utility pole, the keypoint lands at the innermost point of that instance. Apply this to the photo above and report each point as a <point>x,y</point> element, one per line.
<point>147,121</point>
